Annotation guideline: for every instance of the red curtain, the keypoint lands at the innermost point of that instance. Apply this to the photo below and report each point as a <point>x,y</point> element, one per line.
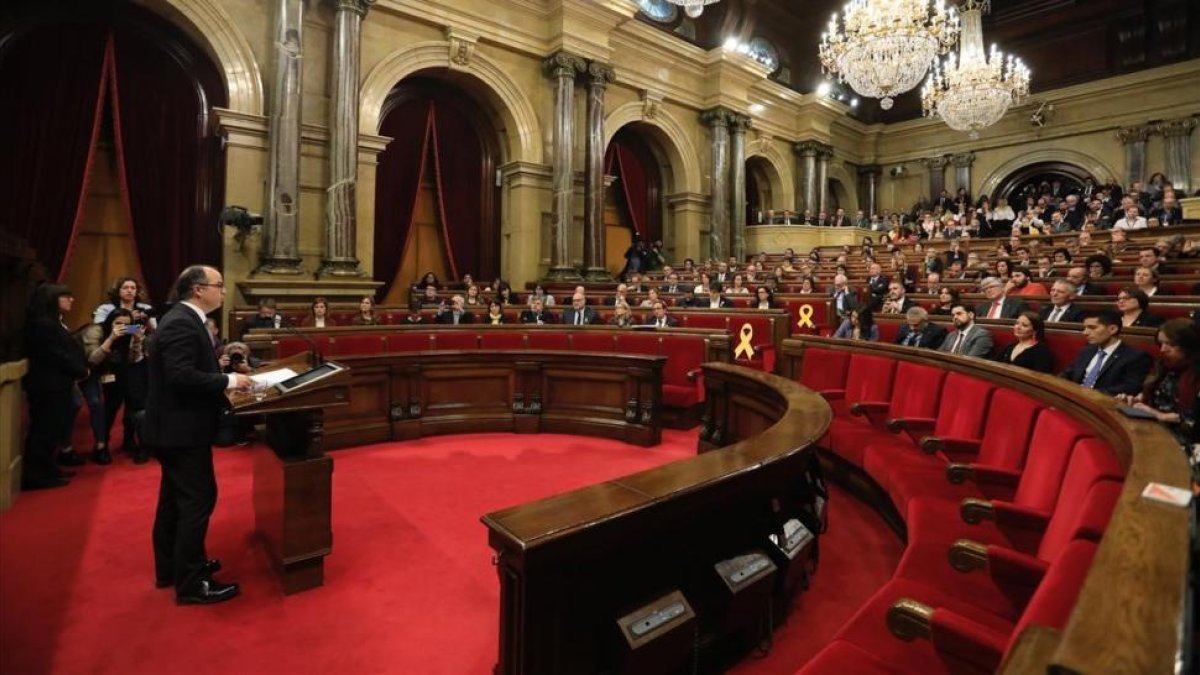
<point>50,117</point>
<point>632,185</point>
<point>397,182</point>
<point>461,184</point>
<point>166,157</point>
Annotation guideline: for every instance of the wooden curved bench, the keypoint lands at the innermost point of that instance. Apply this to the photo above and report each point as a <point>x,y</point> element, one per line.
<point>1128,613</point>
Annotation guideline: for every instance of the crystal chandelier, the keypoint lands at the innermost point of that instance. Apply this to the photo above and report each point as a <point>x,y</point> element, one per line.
<point>693,8</point>
<point>887,46</point>
<point>974,90</point>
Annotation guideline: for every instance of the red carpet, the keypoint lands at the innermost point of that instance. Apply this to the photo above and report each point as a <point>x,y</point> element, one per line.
<point>410,587</point>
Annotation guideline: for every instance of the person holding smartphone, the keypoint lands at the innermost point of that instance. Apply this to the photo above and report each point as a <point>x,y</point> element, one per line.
<point>116,356</point>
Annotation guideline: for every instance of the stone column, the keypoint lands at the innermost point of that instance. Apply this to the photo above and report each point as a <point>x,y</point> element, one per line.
<point>1177,134</point>
<point>738,124</point>
<point>937,174</point>
<point>1134,140</point>
<point>806,191</point>
<point>281,254</point>
<point>962,170</point>
<point>823,156</point>
<point>717,119</point>
<point>599,75</point>
<point>869,174</point>
<point>342,194</point>
<point>563,68</point>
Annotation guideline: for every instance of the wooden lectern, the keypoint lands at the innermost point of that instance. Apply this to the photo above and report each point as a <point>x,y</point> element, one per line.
<point>293,484</point>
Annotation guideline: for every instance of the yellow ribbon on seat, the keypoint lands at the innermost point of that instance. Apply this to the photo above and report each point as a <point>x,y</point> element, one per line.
<point>806,312</point>
<point>744,347</point>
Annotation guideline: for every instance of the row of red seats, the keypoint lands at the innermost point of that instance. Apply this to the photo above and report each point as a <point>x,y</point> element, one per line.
<point>1004,500</point>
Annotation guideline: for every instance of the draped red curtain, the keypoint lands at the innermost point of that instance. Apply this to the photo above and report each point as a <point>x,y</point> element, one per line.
<point>461,183</point>
<point>50,116</point>
<point>632,186</point>
<point>397,182</point>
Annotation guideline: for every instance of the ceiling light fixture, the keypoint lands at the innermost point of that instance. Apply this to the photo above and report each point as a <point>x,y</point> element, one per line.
<point>693,8</point>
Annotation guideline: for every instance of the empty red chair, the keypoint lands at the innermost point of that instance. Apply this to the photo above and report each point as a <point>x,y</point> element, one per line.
<point>357,345</point>
<point>456,340</point>
<point>593,341</point>
<point>498,338</point>
<point>291,345</point>
<point>683,381</point>
<point>914,392</point>
<point>549,339</point>
<point>410,341</point>
<point>758,331</point>
<point>638,343</point>
<point>824,369</point>
<point>712,320</point>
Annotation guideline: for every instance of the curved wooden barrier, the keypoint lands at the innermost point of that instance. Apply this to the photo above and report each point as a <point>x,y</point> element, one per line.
<point>571,564</point>
<point>1129,612</point>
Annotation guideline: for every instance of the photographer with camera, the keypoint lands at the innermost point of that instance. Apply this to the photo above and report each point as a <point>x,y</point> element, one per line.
<point>115,353</point>
<point>231,429</point>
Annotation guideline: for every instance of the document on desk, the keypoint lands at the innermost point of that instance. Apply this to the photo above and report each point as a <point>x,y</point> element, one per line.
<point>273,377</point>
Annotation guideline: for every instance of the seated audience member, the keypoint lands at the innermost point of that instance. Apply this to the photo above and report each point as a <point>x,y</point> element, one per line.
<point>672,284</point>
<point>473,299</point>
<point>236,429</point>
<point>877,283</point>
<point>704,282</point>
<point>968,338</point>
<point>859,325</point>
<point>318,314</point>
<point>947,299</point>
<point>537,314</point>
<point>715,298</point>
<point>1062,308</point>
<point>844,300</point>
<point>1003,270</point>
<point>739,286</point>
<point>997,306</point>
<point>918,332</point>
<point>466,282</point>
<point>689,266</point>
<point>687,298</point>
<point>1045,269</point>
<point>505,296</point>
<point>1132,220</point>
<point>651,298</point>
<point>807,287</point>
<point>414,310</point>
<point>622,317</point>
<point>1107,364</point>
<point>1078,276</point>
<point>933,284</point>
<point>1169,392</point>
<point>457,313</point>
<point>540,293</point>
<point>634,285</point>
<point>1118,243</point>
<point>495,314</point>
<point>896,302</point>
<point>127,293</point>
<point>429,279</point>
<point>366,313</point>
<point>430,297</point>
<point>579,313</point>
<point>1132,304</point>
<point>115,352</point>
<point>1030,350</point>
<point>1022,284</point>
<point>1150,257</point>
<point>660,318</point>
<point>267,316</point>
<point>1147,281</point>
<point>764,298</point>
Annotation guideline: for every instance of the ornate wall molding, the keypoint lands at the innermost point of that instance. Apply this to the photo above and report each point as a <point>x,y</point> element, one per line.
<point>651,102</point>
<point>1096,168</point>
<point>462,47</point>
<point>780,175</point>
<point>1176,127</point>
<point>1135,134</point>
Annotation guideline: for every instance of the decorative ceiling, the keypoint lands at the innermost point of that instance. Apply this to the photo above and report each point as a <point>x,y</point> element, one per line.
<point>1063,42</point>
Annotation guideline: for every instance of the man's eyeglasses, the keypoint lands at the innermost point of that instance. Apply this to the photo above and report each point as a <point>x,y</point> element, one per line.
<point>219,284</point>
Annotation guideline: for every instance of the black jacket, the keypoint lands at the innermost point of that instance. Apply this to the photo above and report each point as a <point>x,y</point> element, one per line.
<point>1122,373</point>
<point>187,389</point>
<point>530,316</point>
<point>1073,314</point>
<point>448,317</point>
<point>931,337</point>
<point>55,358</point>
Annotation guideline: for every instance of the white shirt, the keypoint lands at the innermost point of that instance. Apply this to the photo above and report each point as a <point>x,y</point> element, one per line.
<point>1138,223</point>
<point>1057,312</point>
<point>230,380</point>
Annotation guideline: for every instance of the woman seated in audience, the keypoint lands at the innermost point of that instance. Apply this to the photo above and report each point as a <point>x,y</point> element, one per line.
<point>859,325</point>
<point>651,298</point>
<point>947,299</point>
<point>704,282</point>
<point>1030,350</point>
<point>1002,216</point>
<point>126,293</point>
<point>430,279</point>
<point>777,275</point>
<point>622,317</point>
<point>750,274</point>
<point>1169,392</point>
<point>495,314</point>
<point>318,314</point>
<point>765,298</point>
<point>414,310</point>
<point>1084,240</point>
<point>473,298</point>
<point>1147,281</point>
<point>1098,266</point>
<point>815,254</point>
<point>115,354</point>
<point>540,293</point>
<point>1132,303</point>
<point>466,282</point>
<point>366,313</point>
<point>1003,269</point>
<point>504,297</point>
<point>1062,257</point>
<point>787,264</point>
<point>738,287</point>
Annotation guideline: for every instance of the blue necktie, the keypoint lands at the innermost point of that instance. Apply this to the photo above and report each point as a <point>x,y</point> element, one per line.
<point>1093,374</point>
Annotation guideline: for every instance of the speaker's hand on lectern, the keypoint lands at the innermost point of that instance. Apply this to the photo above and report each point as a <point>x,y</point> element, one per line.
<point>242,382</point>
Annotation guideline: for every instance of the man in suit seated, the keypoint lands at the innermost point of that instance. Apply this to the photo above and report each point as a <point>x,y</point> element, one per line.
<point>877,283</point>
<point>1106,364</point>
<point>579,314</point>
<point>997,306</point>
<point>1062,307</point>
<point>968,338</point>
<point>687,297</point>
<point>456,313</point>
<point>622,291</point>
<point>897,302</point>
<point>267,317</point>
<point>715,299</point>
<point>1078,276</point>
<point>844,301</point>
<point>672,285</point>
<point>660,318</point>
<point>918,332</point>
<point>537,314</point>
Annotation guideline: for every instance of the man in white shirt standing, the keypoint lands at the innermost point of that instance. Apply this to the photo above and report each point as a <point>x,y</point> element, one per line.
<point>1131,221</point>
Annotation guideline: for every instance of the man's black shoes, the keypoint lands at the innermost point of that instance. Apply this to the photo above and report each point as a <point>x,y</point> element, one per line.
<point>207,592</point>
<point>211,567</point>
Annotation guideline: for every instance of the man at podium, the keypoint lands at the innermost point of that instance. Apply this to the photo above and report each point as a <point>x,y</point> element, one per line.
<point>187,393</point>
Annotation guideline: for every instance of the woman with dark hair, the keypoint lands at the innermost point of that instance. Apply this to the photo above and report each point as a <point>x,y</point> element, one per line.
<point>765,298</point>
<point>318,314</point>
<point>366,313</point>
<point>1098,266</point>
<point>859,325</point>
<point>127,292</point>
<point>1003,269</point>
<point>495,314</point>
<point>414,310</point>
<point>947,299</point>
<point>429,279</point>
<point>1170,390</point>
<point>473,299</point>
<point>1030,350</point>
<point>1132,304</point>
<point>115,353</point>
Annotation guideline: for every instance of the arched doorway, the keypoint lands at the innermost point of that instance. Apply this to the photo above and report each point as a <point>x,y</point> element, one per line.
<point>436,198</point>
<point>760,198</point>
<point>838,197</point>
<point>1032,180</point>
<point>634,204</point>
<point>113,165</point>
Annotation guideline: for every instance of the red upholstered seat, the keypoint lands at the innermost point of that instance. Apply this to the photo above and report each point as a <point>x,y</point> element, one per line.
<point>822,320</point>
<point>502,339</point>
<point>456,340</point>
<point>552,340</point>
<point>711,320</point>
<point>842,657</point>
<point>409,341</point>
<point>869,378</point>
<point>916,391</point>
<point>683,381</point>
<point>351,345</point>
<point>888,331</point>
<point>593,341</point>
<point>824,369</point>
<point>292,345</point>
<point>761,339</point>
<point>638,343</point>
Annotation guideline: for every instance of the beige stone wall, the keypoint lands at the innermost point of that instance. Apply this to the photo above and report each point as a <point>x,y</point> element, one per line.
<point>494,50</point>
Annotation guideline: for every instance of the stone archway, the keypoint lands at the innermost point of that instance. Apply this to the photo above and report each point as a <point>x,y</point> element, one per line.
<point>1084,164</point>
<point>778,172</point>
<point>671,139</point>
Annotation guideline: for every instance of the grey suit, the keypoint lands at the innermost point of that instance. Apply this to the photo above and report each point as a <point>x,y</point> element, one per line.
<point>978,342</point>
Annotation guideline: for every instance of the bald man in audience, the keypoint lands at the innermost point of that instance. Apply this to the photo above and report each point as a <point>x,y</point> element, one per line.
<point>1078,276</point>
<point>579,313</point>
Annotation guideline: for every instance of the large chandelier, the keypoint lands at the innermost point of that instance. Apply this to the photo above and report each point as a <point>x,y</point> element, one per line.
<point>887,46</point>
<point>693,8</point>
<point>975,90</point>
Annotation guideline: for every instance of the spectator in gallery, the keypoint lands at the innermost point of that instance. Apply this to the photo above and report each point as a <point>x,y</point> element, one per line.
<point>739,286</point>
<point>651,298</point>
<point>917,331</point>
<point>1003,270</point>
<point>672,284</point>
<point>536,314</point>
<point>267,317</point>
<point>318,314</point>
<point>1169,392</point>
<point>1022,283</point>
<point>764,298</point>
<point>1062,307</point>
<point>457,312</point>
<point>1106,363</point>
<point>806,286</point>
<point>1029,350</point>
<point>467,280</point>
<point>622,317</point>
<point>366,313</point>
<point>1147,281</point>
<point>473,299</point>
<point>115,351</point>
<point>1133,304</point>
<point>579,313</point>
<point>660,318</point>
<point>414,310</point>
<point>998,306</point>
<point>704,282</point>
<point>430,297</point>
<point>687,298</point>
<point>540,293</point>
<point>947,299</point>
<point>126,292</point>
<point>1132,220</point>
<point>968,337</point>
<point>495,314</point>
<point>859,325</point>
<point>716,298</point>
<point>897,302</point>
<point>429,279</point>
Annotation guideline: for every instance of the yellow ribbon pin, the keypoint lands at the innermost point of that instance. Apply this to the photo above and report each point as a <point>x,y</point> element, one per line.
<point>744,347</point>
<point>806,312</point>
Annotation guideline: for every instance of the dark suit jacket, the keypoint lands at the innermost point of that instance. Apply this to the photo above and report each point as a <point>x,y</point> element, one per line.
<point>187,388</point>
<point>653,321</point>
<point>1088,289</point>
<point>1122,373</point>
<point>1009,309</point>
<point>706,303</point>
<point>1038,357</point>
<point>666,288</point>
<point>1073,314</point>
<point>448,317</point>
<point>1148,320</point>
<point>55,359</point>
<point>589,316</point>
<point>530,316</point>
<point>849,302</point>
<point>878,285</point>
<point>931,337</point>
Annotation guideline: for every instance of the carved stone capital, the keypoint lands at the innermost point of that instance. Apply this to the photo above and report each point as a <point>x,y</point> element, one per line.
<point>1137,134</point>
<point>870,170</point>
<point>811,148</point>
<point>564,65</point>
<point>936,162</point>
<point>963,159</point>
<point>651,101</point>
<point>462,47</point>
<point>1179,127</point>
<point>359,7</point>
<point>717,117</point>
<point>739,123</point>
<point>600,74</point>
